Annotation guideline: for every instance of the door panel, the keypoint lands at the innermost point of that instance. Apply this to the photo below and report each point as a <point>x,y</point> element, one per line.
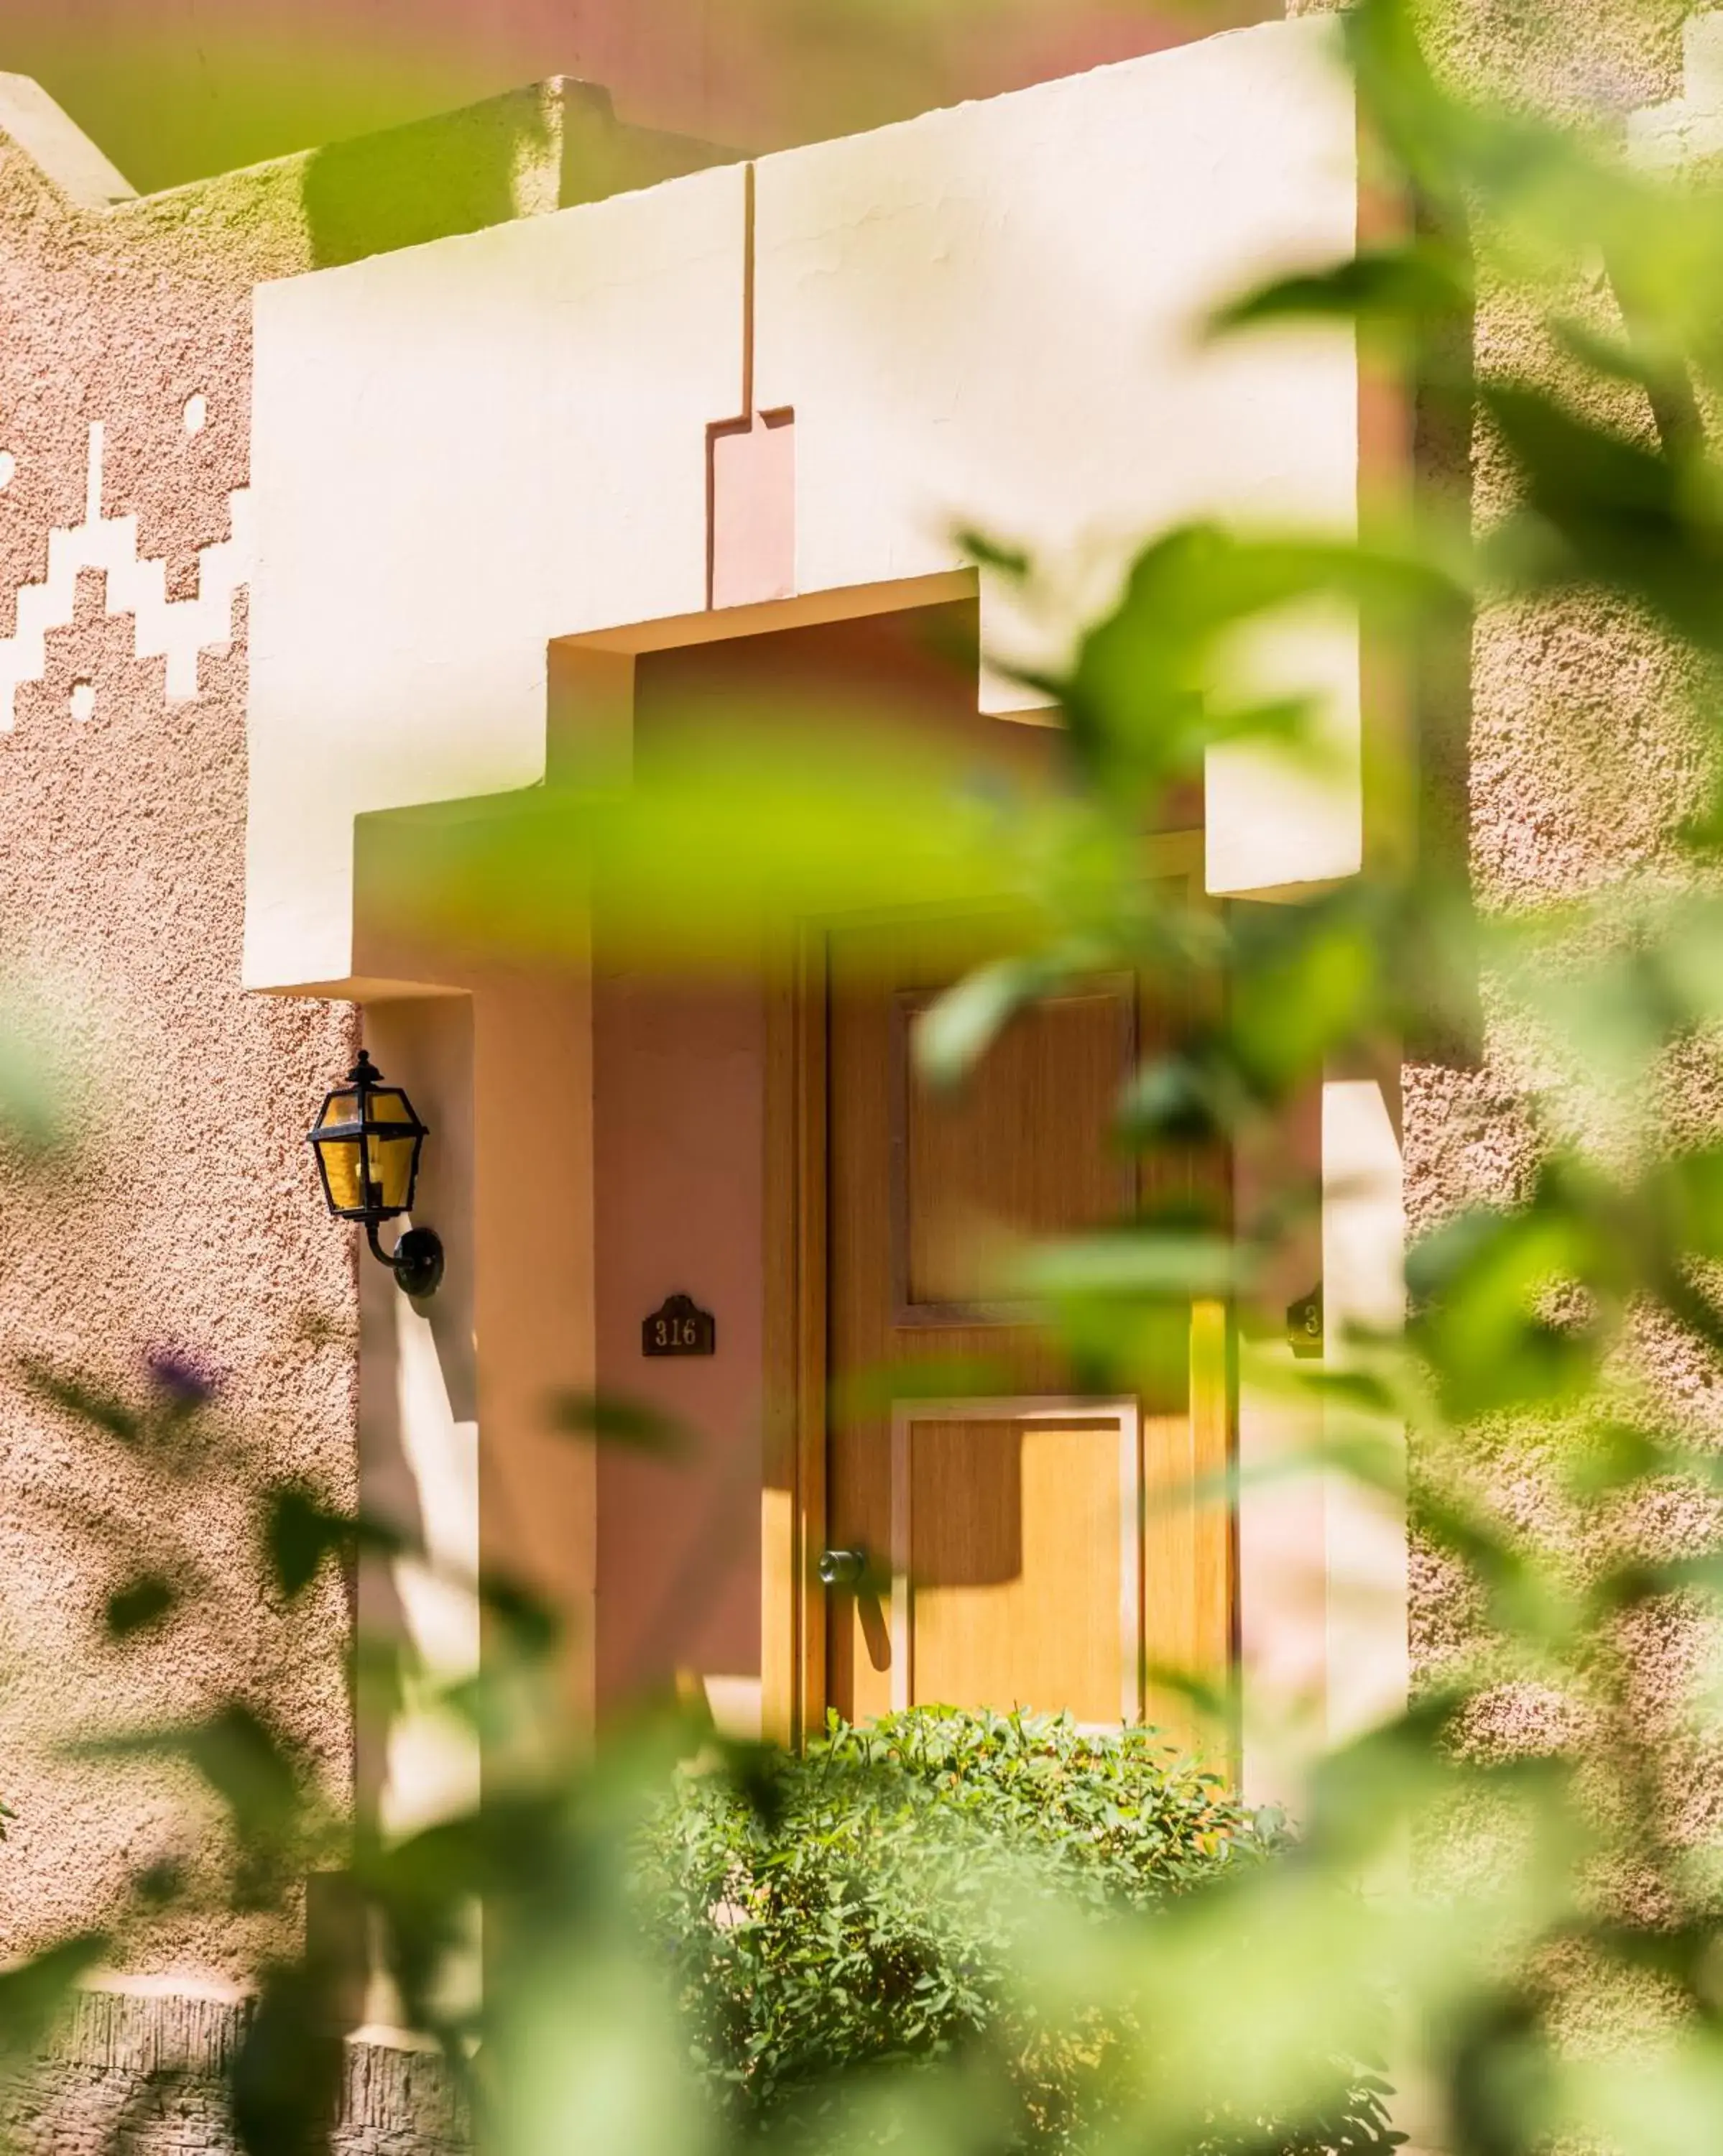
<point>1014,1557</point>
<point>1013,1560</point>
<point>1021,1150</point>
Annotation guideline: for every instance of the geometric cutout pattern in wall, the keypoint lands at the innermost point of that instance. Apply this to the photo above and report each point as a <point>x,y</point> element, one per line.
<point>174,629</point>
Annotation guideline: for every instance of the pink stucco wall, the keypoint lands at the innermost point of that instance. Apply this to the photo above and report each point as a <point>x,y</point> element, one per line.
<point>184,1219</point>
<point>1574,763</point>
<point>1573,759</point>
<point>679,1160</point>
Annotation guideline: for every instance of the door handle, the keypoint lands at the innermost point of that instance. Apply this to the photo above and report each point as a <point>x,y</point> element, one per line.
<point>842,1568</point>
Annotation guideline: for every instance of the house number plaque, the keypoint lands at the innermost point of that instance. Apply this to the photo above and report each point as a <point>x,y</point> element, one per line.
<point>678,1326</point>
<point>1304,1324</point>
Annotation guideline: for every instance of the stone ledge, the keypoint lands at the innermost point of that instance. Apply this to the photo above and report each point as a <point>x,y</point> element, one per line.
<point>117,2050</point>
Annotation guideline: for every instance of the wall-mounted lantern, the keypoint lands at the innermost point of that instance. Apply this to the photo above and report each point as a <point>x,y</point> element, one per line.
<point>367,1142</point>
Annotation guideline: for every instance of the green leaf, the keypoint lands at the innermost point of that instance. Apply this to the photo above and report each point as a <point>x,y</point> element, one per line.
<point>956,1031</point>
<point>1605,509</point>
<point>286,2080</point>
<point>734,830</point>
<point>531,1624</point>
<point>1412,286</point>
<point>34,1992</point>
<point>1488,1324</point>
<point>632,1425</point>
<point>993,553</point>
<point>1134,1264</point>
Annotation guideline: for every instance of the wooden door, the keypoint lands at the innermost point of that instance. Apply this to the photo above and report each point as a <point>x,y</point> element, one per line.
<point>1025,1544</point>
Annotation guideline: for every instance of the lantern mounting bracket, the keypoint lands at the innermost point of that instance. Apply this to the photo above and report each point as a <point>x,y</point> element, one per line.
<point>416,1260</point>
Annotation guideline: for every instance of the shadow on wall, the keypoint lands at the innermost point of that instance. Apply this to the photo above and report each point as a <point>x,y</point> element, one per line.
<point>549,146</point>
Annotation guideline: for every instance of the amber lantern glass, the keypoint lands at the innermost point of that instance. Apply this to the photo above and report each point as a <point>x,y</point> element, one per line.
<point>338,1154</point>
<point>393,1137</point>
<point>368,1141</point>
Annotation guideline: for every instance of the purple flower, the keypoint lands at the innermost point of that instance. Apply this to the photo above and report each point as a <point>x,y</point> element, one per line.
<point>184,1377</point>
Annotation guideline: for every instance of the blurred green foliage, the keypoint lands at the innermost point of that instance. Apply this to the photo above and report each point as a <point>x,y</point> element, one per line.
<point>873,1903</point>
<point>1531,1933</point>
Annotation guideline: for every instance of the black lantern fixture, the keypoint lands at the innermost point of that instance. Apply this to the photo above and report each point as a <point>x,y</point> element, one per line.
<point>367,1142</point>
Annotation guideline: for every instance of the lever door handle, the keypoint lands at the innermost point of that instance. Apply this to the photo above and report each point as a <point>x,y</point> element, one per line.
<point>842,1568</point>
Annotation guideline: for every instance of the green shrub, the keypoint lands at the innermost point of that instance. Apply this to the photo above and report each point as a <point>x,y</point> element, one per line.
<point>864,1905</point>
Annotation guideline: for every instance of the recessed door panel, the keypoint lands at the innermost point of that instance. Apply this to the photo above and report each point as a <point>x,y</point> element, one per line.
<point>1023,1149</point>
<point>1015,1557</point>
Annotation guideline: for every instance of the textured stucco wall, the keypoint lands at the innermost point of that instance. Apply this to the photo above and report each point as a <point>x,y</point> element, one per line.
<point>1582,759</point>
<point>184,1221</point>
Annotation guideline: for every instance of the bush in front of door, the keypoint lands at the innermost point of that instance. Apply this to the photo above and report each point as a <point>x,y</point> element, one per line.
<point>943,1884</point>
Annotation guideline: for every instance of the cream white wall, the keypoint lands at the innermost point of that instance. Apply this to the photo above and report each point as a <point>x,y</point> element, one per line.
<point>985,320</point>
<point>458,452</point>
<point>982,316</point>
